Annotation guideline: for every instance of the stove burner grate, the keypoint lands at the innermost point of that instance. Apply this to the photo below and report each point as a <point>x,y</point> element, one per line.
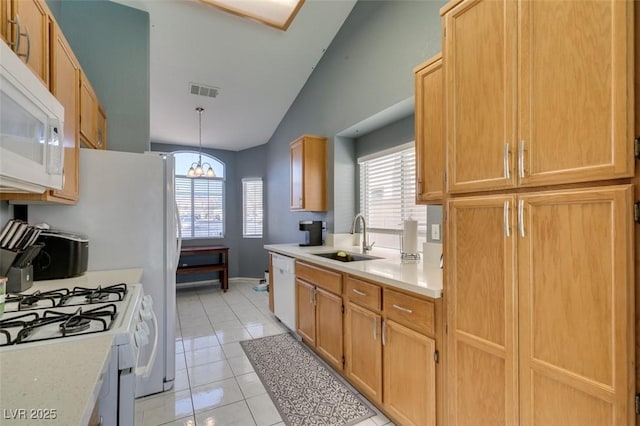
<point>99,294</point>
<point>70,323</point>
<point>50,298</point>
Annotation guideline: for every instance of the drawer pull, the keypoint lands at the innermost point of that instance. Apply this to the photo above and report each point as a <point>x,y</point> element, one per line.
<point>384,333</point>
<point>375,328</point>
<point>359,293</point>
<point>405,310</point>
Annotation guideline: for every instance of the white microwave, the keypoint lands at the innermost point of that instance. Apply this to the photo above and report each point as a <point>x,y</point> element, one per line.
<point>31,129</point>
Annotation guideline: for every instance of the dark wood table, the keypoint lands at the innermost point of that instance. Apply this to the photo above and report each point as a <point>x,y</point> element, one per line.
<point>221,266</point>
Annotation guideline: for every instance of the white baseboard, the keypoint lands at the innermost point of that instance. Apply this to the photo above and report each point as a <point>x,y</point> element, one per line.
<point>251,280</point>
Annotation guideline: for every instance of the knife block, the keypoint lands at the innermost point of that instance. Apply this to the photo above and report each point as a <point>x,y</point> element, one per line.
<point>7,257</point>
<point>20,279</point>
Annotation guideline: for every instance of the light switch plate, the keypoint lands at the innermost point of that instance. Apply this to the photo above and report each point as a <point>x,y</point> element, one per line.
<point>435,232</point>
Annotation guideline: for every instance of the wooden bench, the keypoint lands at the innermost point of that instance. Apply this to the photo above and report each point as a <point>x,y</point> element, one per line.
<point>222,266</point>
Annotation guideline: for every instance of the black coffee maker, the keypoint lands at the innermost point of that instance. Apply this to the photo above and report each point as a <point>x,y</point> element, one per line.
<point>313,236</point>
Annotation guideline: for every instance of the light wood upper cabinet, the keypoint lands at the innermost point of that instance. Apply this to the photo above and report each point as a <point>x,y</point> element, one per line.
<point>525,104</point>
<point>558,348</point>
<point>89,113</point>
<point>28,34</point>
<point>308,173</point>
<point>101,128</point>
<point>429,124</point>
<point>480,62</point>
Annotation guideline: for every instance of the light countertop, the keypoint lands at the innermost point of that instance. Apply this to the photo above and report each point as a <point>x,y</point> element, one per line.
<point>59,380</point>
<point>419,277</point>
<point>58,377</point>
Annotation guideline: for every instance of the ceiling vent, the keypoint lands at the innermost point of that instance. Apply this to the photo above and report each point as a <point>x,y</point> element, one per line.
<point>202,90</point>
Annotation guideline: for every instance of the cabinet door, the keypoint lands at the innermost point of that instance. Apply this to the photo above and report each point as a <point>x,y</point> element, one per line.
<point>5,13</point>
<point>34,42</point>
<point>429,92</point>
<point>64,86</point>
<point>481,312</point>
<point>101,129</point>
<point>329,327</point>
<point>297,181</point>
<point>480,83</point>
<point>306,311</point>
<point>576,311</point>
<point>363,346</point>
<point>88,112</point>
<point>575,107</point>
<point>409,375</point>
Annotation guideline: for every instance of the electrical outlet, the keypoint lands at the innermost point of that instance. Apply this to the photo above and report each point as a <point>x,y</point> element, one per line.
<point>435,232</point>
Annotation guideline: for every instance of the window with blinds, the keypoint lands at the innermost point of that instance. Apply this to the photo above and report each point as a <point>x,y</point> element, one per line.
<point>200,200</point>
<point>388,195</point>
<point>252,208</point>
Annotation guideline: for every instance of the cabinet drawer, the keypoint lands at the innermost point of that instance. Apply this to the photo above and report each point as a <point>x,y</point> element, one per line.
<point>328,280</point>
<point>410,311</point>
<point>363,293</point>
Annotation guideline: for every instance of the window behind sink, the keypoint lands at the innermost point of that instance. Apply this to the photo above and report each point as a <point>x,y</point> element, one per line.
<point>388,194</point>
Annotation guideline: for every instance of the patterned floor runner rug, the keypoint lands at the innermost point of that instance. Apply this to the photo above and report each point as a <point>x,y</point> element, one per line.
<point>305,391</point>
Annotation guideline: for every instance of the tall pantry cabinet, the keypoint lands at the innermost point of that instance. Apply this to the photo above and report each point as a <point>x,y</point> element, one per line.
<point>539,260</point>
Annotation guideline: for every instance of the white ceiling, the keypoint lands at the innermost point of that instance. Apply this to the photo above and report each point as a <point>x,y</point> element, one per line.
<point>259,70</point>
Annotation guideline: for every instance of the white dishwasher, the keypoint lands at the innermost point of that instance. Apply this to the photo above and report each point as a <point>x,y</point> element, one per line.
<point>284,289</point>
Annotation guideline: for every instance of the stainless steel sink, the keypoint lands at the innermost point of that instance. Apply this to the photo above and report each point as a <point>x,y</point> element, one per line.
<point>348,257</point>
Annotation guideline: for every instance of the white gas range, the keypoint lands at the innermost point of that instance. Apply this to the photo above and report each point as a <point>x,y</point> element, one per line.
<point>77,311</point>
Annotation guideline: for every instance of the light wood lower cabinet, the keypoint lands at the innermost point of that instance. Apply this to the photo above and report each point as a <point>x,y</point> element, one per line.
<point>389,356</point>
<point>540,323</point>
<point>363,351</point>
<point>306,312</point>
<point>319,312</point>
<point>409,375</point>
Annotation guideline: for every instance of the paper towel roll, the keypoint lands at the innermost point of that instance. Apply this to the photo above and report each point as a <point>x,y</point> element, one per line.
<point>410,237</point>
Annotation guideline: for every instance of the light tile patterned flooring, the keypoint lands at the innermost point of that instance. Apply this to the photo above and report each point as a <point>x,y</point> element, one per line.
<point>215,382</point>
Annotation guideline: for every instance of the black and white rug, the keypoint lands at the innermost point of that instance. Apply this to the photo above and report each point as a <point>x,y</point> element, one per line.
<point>305,391</point>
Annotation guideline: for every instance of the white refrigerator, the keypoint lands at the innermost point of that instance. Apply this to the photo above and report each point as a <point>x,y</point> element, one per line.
<point>127,210</point>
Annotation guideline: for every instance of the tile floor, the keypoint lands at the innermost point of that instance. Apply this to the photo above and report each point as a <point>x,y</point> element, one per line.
<point>215,382</point>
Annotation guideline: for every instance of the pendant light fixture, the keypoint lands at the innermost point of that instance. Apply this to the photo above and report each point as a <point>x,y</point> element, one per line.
<point>200,169</point>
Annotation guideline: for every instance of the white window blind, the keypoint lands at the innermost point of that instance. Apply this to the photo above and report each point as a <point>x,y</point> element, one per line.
<point>252,208</point>
<point>387,195</point>
<point>200,200</point>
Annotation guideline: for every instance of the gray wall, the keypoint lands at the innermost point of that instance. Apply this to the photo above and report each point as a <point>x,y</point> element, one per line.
<point>367,69</point>
<point>246,256</point>
<point>111,42</point>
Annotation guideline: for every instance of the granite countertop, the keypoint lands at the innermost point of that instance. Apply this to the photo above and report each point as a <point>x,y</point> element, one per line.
<point>62,377</point>
<point>421,277</point>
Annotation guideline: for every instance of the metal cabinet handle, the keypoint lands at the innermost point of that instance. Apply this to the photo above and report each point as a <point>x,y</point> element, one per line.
<point>384,333</point>
<point>521,158</point>
<point>505,161</point>
<point>358,292</point>
<point>375,328</point>
<point>400,308</point>
<point>521,217</point>
<point>16,44</point>
<point>507,230</point>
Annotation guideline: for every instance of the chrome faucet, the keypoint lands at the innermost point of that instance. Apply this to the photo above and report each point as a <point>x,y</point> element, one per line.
<point>365,246</point>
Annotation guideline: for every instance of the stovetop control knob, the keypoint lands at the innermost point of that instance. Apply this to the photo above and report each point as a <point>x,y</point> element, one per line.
<point>145,315</point>
<point>144,327</point>
<point>147,302</point>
